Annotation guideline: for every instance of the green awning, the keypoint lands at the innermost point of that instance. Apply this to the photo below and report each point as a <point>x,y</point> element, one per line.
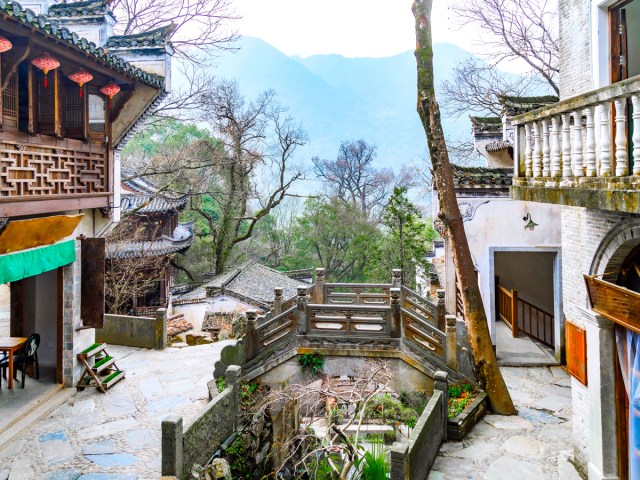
<point>27,263</point>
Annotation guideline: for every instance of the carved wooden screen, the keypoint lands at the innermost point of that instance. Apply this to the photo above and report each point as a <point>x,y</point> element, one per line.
<point>92,282</point>
<point>10,104</point>
<point>576,352</point>
<point>45,101</point>
<point>73,112</point>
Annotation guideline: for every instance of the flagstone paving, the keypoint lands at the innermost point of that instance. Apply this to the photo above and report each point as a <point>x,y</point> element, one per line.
<point>116,436</point>
<point>534,445</point>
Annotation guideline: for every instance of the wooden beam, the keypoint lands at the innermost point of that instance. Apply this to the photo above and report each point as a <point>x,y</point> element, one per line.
<point>19,53</point>
<point>32,113</point>
<point>126,96</point>
<point>57,109</point>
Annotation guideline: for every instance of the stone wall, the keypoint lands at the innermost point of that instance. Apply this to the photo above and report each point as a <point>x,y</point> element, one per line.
<point>575,47</point>
<point>144,332</point>
<point>581,251</point>
<point>184,447</point>
<point>414,459</point>
<point>74,339</point>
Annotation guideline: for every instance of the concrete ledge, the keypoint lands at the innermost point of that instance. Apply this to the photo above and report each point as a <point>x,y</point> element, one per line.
<point>144,332</point>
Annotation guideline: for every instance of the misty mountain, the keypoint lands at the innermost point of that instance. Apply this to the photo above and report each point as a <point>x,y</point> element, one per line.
<point>338,98</point>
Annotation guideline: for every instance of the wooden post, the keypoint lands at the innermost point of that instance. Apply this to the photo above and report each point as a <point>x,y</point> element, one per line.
<point>251,338</point>
<point>277,301</point>
<point>441,310</point>
<point>319,292</point>
<point>452,342</point>
<point>302,326</point>
<point>514,313</point>
<point>396,277</point>
<point>395,329</point>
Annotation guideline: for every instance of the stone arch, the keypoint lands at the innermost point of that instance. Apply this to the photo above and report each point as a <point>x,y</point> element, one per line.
<point>614,249</point>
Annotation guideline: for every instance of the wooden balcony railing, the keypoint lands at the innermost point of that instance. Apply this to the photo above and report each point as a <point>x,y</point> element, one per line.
<point>617,303</point>
<point>41,169</point>
<point>524,317</point>
<point>582,141</point>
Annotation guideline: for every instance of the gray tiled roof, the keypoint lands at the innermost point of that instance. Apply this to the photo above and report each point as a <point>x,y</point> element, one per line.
<point>481,177</point>
<point>498,145</point>
<point>250,281</point>
<point>79,9</point>
<point>142,196</point>
<point>63,35</point>
<point>179,241</point>
<point>152,38</point>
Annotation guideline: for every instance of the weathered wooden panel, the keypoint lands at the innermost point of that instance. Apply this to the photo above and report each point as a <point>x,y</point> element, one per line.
<point>576,351</point>
<point>92,291</point>
<point>617,303</point>
<point>37,232</point>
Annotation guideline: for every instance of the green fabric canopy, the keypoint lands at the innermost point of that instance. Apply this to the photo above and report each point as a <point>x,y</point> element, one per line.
<point>27,263</point>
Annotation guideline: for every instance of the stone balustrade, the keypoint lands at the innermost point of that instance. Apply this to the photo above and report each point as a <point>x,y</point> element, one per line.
<point>581,142</point>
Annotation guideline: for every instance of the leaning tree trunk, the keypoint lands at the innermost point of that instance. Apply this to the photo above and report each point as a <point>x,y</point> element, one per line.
<point>484,359</point>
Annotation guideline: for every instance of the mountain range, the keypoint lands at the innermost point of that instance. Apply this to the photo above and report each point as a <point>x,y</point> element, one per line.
<point>338,98</point>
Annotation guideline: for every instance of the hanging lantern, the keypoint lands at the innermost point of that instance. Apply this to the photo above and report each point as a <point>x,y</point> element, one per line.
<point>111,89</point>
<point>5,44</point>
<point>80,77</point>
<point>45,62</point>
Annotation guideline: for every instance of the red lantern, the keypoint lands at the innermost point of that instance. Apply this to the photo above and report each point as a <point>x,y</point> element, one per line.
<point>80,77</point>
<point>111,89</point>
<point>45,62</point>
<point>5,44</point>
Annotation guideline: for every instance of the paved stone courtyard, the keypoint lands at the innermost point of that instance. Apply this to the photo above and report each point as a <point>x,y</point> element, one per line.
<point>116,436</point>
<point>534,445</point>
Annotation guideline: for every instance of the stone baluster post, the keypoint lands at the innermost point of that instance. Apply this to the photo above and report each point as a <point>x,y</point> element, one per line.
<point>277,301</point>
<point>396,277</point>
<point>252,344</point>
<point>546,149</point>
<point>302,326</point>
<point>635,101</point>
<point>452,342</point>
<point>172,446</point>
<point>537,149</point>
<point>232,379</point>
<point>441,312</point>
<point>442,384</point>
<point>399,452</point>
<point>566,146</point>
<point>161,329</point>
<point>576,152</point>
<point>528,159</point>
<point>319,290</point>
<point>590,147</point>
<point>556,160</point>
<point>395,329</point>
<point>622,157</point>
<point>605,142</point>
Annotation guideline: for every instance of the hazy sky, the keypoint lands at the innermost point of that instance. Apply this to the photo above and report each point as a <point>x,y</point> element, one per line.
<point>352,28</point>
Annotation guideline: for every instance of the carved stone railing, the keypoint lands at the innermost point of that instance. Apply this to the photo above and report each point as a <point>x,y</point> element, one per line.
<point>581,143</point>
<point>45,169</point>
<point>357,313</point>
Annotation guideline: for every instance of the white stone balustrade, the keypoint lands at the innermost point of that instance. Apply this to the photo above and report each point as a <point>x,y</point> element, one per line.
<point>593,135</point>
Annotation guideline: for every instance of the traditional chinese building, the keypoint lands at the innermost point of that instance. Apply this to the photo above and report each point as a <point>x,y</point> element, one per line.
<point>583,155</point>
<point>68,104</point>
<point>151,234</point>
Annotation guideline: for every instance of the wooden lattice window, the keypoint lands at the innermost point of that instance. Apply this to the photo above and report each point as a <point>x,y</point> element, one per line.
<point>73,113</point>
<point>45,106</point>
<point>10,104</point>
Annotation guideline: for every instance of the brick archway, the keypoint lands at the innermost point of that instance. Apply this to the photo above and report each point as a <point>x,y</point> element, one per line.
<point>614,249</point>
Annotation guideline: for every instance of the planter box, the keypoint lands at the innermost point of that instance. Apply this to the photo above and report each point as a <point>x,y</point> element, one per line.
<point>459,426</point>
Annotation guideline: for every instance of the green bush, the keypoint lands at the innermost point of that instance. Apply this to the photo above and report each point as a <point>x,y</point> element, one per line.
<point>311,361</point>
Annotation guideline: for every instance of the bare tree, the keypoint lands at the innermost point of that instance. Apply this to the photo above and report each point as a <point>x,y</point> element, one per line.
<point>132,267</point>
<point>524,30</point>
<point>353,178</point>
<point>485,364</point>
<point>316,405</point>
<point>199,26</point>
<point>258,140</point>
<point>477,87</point>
